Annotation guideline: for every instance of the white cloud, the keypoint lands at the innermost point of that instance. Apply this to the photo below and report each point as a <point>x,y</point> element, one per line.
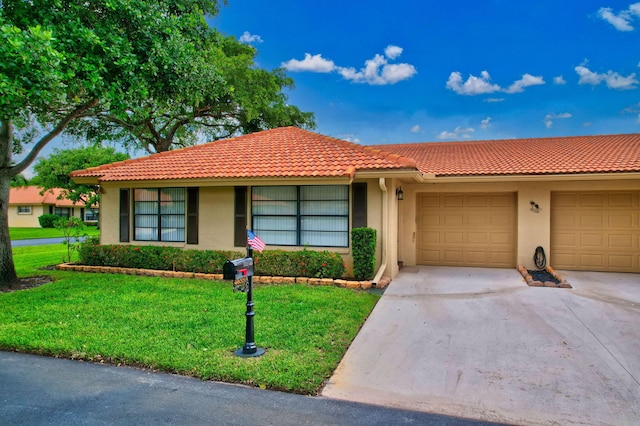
<point>416,129</point>
<point>559,80</point>
<point>622,21</point>
<point>457,133</point>
<point>349,138</point>
<point>248,38</point>
<point>548,119</point>
<point>526,81</point>
<point>473,86</point>
<point>486,123</point>
<point>312,63</point>
<point>376,71</point>
<point>493,100</point>
<point>613,80</point>
<point>392,51</point>
<point>482,85</point>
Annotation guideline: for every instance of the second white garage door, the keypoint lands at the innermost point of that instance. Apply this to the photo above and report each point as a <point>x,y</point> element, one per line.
<point>467,230</point>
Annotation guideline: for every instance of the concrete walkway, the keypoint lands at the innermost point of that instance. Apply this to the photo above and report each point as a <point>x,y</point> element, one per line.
<point>479,343</point>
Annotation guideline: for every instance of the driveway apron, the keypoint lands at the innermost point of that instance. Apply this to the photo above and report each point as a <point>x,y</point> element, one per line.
<point>479,343</point>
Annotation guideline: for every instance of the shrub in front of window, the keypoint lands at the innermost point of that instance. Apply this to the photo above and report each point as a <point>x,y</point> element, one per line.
<point>363,243</point>
<point>305,263</point>
<point>48,220</point>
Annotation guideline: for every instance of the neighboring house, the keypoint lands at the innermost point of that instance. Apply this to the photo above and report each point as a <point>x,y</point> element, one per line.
<point>26,204</point>
<point>473,203</point>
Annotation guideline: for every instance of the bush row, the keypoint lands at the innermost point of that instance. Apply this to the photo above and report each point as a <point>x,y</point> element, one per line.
<point>305,263</point>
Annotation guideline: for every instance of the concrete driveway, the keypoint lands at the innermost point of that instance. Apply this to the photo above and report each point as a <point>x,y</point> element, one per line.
<point>479,343</point>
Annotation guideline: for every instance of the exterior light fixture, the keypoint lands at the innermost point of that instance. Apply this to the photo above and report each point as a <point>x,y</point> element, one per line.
<point>534,207</point>
<point>399,193</point>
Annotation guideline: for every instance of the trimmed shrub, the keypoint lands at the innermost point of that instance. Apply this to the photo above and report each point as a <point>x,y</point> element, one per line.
<point>305,263</point>
<point>48,220</point>
<point>363,243</point>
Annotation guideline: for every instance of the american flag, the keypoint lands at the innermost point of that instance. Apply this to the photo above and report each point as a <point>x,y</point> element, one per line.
<point>254,241</point>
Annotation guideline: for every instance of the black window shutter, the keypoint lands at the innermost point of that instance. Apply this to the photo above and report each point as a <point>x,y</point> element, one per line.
<point>240,217</point>
<point>124,215</point>
<point>359,205</point>
<point>192,215</point>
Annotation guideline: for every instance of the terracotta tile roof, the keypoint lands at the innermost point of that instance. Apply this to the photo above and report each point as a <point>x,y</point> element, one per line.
<point>281,152</point>
<point>30,195</point>
<point>560,155</point>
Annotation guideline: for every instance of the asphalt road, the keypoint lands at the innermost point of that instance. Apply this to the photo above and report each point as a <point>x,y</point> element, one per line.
<point>43,390</point>
<point>36,242</point>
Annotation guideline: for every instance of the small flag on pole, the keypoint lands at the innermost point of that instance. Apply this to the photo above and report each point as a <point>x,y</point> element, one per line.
<point>254,241</point>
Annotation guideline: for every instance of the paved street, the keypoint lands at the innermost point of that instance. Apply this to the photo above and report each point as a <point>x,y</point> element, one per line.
<point>38,390</point>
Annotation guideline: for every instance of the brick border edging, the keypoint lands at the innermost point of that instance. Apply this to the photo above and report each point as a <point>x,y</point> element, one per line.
<point>532,283</point>
<point>256,279</point>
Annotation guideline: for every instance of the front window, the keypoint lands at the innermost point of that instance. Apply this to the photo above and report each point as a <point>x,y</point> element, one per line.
<point>159,214</point>
<point>91,215</point>
<point>301,215</point>
<point>62,212</point>
<point>24,209</point>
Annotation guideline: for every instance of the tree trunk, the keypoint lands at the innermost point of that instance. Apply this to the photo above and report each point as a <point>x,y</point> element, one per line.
<point>7,269</point>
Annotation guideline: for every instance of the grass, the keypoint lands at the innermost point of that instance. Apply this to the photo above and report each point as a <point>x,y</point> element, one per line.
<point>35,233</point>
<point>185,326</point>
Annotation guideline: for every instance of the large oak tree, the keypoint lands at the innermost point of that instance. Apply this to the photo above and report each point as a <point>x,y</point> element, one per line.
<point>151,74</point>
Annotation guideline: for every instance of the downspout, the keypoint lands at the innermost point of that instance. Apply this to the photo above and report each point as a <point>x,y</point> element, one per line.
<point>383,242</point>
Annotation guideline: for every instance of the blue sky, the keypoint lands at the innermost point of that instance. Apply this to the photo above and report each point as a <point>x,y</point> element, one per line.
<point>408,71</point>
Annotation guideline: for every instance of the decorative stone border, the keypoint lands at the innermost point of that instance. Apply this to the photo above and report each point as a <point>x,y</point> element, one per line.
<point>532,283</point>
<point>218,277</point>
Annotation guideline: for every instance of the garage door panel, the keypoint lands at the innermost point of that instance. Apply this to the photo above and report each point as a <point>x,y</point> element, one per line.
<point>596,231</point>
<point>621,241</point>
<point>621,261</point>
<point>592,241</point>
<point>592,200</point>
<point>477,238</point>
<point>473,230</point>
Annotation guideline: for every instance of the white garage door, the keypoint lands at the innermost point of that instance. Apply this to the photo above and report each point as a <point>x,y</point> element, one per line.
<point>595,231</point>
<point>467,230</point>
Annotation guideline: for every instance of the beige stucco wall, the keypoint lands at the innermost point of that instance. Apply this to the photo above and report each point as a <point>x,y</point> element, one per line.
<point>533,229</point>
<point>216,219</point>
<point>26,220</point>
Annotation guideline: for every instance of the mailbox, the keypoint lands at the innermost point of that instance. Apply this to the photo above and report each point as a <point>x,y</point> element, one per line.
<point>238,269</point>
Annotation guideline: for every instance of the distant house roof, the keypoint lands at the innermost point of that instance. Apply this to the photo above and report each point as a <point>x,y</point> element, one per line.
<point>30,195</point>
<point>281,152</point>
<point>534,156</point>
<point>292,152</point>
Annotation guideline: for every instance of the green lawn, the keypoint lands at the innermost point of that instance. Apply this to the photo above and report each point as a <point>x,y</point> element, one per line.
<point>186,326</point>
<point>34,233</point>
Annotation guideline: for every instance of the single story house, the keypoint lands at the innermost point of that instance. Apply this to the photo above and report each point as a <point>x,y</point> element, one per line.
<point>474,203</point>
<point>28,203</point>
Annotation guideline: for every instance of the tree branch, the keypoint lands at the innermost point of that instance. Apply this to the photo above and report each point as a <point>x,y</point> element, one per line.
<point>26,161</point>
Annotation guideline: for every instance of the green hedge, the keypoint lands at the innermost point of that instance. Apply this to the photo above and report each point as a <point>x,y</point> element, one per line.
<point>363,242</point>
<point>305,263</point>
<point>48,220</point>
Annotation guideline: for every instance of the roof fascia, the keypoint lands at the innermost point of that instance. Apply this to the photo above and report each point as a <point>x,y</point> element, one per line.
<point>533,178</point>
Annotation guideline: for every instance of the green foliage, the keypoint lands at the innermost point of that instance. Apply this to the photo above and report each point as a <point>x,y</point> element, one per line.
<point>153,257</point>
<point>72,229</point>
<point>53,171</point>
<point>19,180</point>
<point>48,220</point>
<point>305,263</point>
<point>183,326</point>
<point>363,243</point>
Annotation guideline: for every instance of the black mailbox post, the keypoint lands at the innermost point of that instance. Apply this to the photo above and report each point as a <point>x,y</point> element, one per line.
<point>242,269</point>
